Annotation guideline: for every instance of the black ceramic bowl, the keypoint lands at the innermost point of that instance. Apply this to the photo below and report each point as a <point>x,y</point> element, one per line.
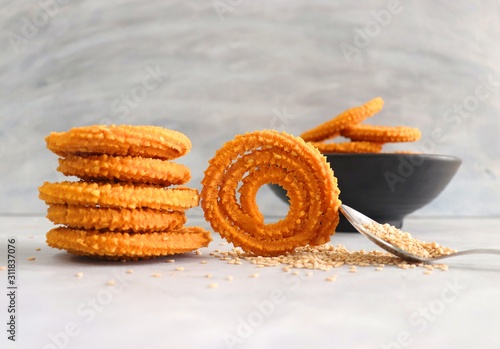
<point>387,187</point>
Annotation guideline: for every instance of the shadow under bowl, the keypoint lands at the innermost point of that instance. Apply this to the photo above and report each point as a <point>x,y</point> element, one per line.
<point>387,187</point>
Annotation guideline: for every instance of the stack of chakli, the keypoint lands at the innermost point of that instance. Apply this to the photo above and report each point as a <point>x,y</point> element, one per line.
<point>130,201</point>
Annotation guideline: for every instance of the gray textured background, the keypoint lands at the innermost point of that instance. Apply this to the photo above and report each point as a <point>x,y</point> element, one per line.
<point>230,66</point>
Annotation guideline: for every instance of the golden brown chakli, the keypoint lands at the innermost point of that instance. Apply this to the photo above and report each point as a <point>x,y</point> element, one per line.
<point>243,165</point>
<point>363,138</point>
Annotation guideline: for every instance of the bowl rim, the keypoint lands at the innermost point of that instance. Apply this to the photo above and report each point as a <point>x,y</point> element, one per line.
<point>444,157</point>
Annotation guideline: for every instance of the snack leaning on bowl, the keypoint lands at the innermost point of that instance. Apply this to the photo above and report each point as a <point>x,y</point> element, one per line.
<point>264,157</point>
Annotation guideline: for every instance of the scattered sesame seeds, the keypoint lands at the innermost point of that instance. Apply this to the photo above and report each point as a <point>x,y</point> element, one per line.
<point>254,275</point>
<point>30,258</point>
<point>79,274</point>
<point>323,257</point>
<point>379,268</point>
<point>38,249</point>
<point>213,285</point>
<point>179,268</point>
<point>111,282</point>
<point>208,276</point>
<point>203,262</point>
<point>3,268</point>
<point>331,278</point>
<point>198,253</point>
<point>156,275</point>
<point>129,271</point>
<point>170,261</point>
<point>428,272</point>
<point>229,278</point>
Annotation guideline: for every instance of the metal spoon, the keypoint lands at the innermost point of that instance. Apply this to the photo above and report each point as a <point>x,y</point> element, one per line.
<point>358,220</point>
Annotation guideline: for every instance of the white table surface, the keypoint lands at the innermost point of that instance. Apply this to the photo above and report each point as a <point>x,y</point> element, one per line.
<point>393,308</point>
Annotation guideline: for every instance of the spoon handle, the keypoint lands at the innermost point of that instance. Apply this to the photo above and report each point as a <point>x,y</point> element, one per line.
<point>473,251</point>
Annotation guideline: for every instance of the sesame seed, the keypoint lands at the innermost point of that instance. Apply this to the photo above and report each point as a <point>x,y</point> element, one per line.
<point>208,276</point>
<point>213,285</point>
<point>229,278</point>
<point>203,262</point>
<point>38,249</point>
<point>179,268</point>
<point>79,274</point>
<point>379,268</point>
<point>3,268</point>
<point>156,275</point>
<point>170,261</point>
<point>254,275</point>
<point>111,282</point>
<point>129,271</point>
<point>30,258</point>
<point>428,272</point>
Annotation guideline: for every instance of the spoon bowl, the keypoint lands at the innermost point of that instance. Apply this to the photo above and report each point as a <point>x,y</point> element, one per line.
<point>359,221</point>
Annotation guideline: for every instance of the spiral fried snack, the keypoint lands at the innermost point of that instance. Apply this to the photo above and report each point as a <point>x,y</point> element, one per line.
<point>115,219</point>
<point>254,159</point>
<point>118,195</point>
<point>372,133</point>
<point>353,116</point>
<point>348,147</point>
<point>146,141</point>
<point>124,168</point>
<point>127,246</point>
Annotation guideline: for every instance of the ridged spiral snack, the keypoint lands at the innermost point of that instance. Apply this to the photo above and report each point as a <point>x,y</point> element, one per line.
<point>251,160</point>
